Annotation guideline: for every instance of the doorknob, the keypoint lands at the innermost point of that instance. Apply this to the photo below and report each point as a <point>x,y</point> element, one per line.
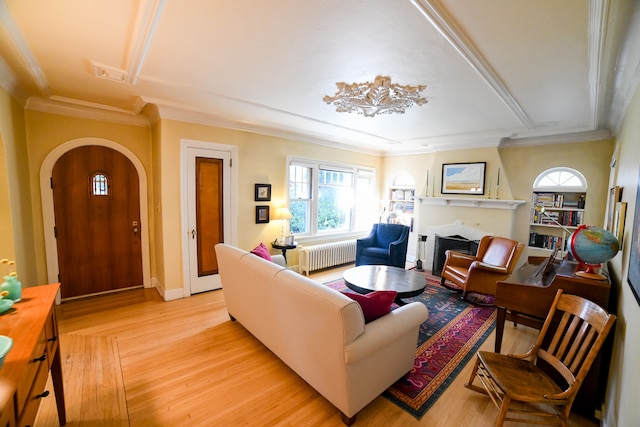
<point>134,225</point>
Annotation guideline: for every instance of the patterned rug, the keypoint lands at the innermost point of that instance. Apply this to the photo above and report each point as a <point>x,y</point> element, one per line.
<point>446,342</point>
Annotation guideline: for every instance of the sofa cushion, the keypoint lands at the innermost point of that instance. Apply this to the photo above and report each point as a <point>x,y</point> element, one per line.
<point>374,304</point>
<point>262,251</point>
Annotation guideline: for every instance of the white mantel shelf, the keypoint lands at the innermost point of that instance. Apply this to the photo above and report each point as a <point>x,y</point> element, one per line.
<point>471,202</point>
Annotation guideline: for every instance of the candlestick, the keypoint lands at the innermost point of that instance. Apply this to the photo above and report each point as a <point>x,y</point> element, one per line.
<point>426,186</point>
<point>433,187</point>
<point>498,183</point>
<point>489,187</point>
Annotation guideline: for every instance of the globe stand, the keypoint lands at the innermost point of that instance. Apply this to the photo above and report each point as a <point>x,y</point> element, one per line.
<point>590,272</point>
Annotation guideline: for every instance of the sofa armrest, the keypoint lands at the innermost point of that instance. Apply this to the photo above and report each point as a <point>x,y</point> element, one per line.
<point>279,259</point>
<point>383,331</point>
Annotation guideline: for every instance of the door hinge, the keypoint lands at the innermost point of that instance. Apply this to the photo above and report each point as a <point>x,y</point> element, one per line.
<point>51,181</point>
<point>55,232</point>
<point>230,163</point>
<point>59,278</point>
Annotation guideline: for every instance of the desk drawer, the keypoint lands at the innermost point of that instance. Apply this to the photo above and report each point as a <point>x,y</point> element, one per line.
<point>37,359</point>
<point>37,393</point>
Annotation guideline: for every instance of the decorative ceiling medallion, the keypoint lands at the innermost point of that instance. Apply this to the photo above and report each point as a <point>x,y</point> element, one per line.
<point>379,97</point>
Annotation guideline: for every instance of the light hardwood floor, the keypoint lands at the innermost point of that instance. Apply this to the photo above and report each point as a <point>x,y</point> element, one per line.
<point>131,359</point>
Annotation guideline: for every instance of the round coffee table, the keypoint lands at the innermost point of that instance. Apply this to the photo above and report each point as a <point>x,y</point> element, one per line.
<point>368,278</point>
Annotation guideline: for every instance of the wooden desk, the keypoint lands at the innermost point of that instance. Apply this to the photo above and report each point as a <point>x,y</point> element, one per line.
<point>525,298</point>
<point>31,323</point>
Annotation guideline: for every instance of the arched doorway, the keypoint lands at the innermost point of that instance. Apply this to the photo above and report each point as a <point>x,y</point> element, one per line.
<point>49,220</point>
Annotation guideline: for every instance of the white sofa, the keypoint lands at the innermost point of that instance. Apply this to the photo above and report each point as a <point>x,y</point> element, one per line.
<point>319,332</point>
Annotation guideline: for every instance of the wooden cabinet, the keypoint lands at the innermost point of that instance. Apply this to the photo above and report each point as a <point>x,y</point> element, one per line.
<point>31,323</point>
<point>554,215</point>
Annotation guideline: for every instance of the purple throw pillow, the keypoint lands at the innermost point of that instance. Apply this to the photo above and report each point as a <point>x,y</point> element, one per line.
<point>262,251</point>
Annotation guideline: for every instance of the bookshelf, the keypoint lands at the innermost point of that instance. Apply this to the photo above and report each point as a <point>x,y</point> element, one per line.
<point>402,201</point>
<point>560,207</point>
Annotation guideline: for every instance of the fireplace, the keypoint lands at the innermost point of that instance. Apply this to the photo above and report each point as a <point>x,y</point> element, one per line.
<point>456,243</point>
<point>456,230</point>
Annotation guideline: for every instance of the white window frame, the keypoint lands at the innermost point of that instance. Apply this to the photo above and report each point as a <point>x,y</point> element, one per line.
<point>315,166</point>
<point>580,188</point>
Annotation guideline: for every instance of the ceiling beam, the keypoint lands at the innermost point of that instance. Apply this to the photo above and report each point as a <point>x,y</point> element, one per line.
<point>445,24</point>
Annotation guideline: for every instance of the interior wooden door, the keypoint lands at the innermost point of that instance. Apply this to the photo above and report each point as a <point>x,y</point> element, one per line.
<point>209,213</point>
<point>97,215</point>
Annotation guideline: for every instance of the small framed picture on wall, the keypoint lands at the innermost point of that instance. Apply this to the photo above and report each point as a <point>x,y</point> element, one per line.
<point>263,193</point>
<point>262,214</point>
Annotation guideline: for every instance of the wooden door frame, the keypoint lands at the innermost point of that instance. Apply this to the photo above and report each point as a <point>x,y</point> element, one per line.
<point>48,215</point>
<point>185,145</point>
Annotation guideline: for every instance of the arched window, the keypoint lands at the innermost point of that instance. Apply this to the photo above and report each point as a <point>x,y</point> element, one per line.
<point>560,179</point>
<point>100,185</point>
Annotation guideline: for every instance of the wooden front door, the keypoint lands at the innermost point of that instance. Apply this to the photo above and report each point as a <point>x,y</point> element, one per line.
<point>96,198</point>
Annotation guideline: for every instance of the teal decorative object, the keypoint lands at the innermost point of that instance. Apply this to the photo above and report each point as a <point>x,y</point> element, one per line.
<point>5,304</point>
<point>5,345</point>
<point>591,246</point>
<point>13,286</point>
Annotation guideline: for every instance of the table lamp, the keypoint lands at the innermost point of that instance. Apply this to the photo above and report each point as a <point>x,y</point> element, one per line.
<point>283,215</point>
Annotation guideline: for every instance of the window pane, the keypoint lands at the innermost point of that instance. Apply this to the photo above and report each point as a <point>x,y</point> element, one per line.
<point>299,182</point>
<point>366,209</point>
<point>335,200</point>
<point>99,185</point>
<point>300,212</point>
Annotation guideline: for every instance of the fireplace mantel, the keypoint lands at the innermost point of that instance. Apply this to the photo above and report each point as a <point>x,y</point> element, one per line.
<point>471,202</point>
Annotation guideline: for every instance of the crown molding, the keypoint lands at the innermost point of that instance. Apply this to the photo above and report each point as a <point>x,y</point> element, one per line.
<point>147,19</point>
<point>595,135</point>
<point>23,49</point>
<point>445,25</point>
<point>9,82</point>
<point>84,110</point>
<point>186,114</point>
<point>598,15</point>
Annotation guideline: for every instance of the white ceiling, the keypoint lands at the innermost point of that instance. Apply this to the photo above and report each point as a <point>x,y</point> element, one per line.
<point>496,71</point>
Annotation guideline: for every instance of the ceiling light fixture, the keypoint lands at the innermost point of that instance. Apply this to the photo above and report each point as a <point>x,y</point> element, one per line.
<point>379,97</point>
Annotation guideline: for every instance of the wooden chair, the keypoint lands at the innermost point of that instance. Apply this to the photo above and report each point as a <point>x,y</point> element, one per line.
<point>495,260</point>
<point>569,341</point>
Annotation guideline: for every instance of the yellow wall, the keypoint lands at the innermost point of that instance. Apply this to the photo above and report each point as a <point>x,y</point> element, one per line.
<point>491,221</point>
<point>622,407</point>
<point>7,248</point>
<point>523,164</point>
<point>261,159</point>
<point>47,131</point>
<point>15,195</point>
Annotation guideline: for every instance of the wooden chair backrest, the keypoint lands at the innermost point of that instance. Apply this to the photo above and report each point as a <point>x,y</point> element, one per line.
<point>572,346</point>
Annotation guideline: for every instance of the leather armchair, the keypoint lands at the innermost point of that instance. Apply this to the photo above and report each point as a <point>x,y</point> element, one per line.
<point>385,245</point>
<point>495,260</point>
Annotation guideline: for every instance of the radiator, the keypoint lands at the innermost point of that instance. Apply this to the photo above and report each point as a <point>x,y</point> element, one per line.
<point>326,255</point>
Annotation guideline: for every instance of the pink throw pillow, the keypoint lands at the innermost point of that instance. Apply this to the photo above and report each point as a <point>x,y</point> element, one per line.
<point>262,251</point>
<point>374,304</point>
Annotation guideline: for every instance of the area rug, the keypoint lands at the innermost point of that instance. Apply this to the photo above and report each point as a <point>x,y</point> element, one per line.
<point>446,342</point>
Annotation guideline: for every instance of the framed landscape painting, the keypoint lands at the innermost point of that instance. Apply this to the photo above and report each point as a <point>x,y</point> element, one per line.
<point>463,178</point>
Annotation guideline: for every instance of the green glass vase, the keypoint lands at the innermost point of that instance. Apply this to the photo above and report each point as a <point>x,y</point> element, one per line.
<point>13,286</point>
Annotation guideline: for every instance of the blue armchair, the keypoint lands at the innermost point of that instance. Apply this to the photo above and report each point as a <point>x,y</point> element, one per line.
<point>385,245</point>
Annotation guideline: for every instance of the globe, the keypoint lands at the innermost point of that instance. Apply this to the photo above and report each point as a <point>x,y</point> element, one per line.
<point>591,246</point>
